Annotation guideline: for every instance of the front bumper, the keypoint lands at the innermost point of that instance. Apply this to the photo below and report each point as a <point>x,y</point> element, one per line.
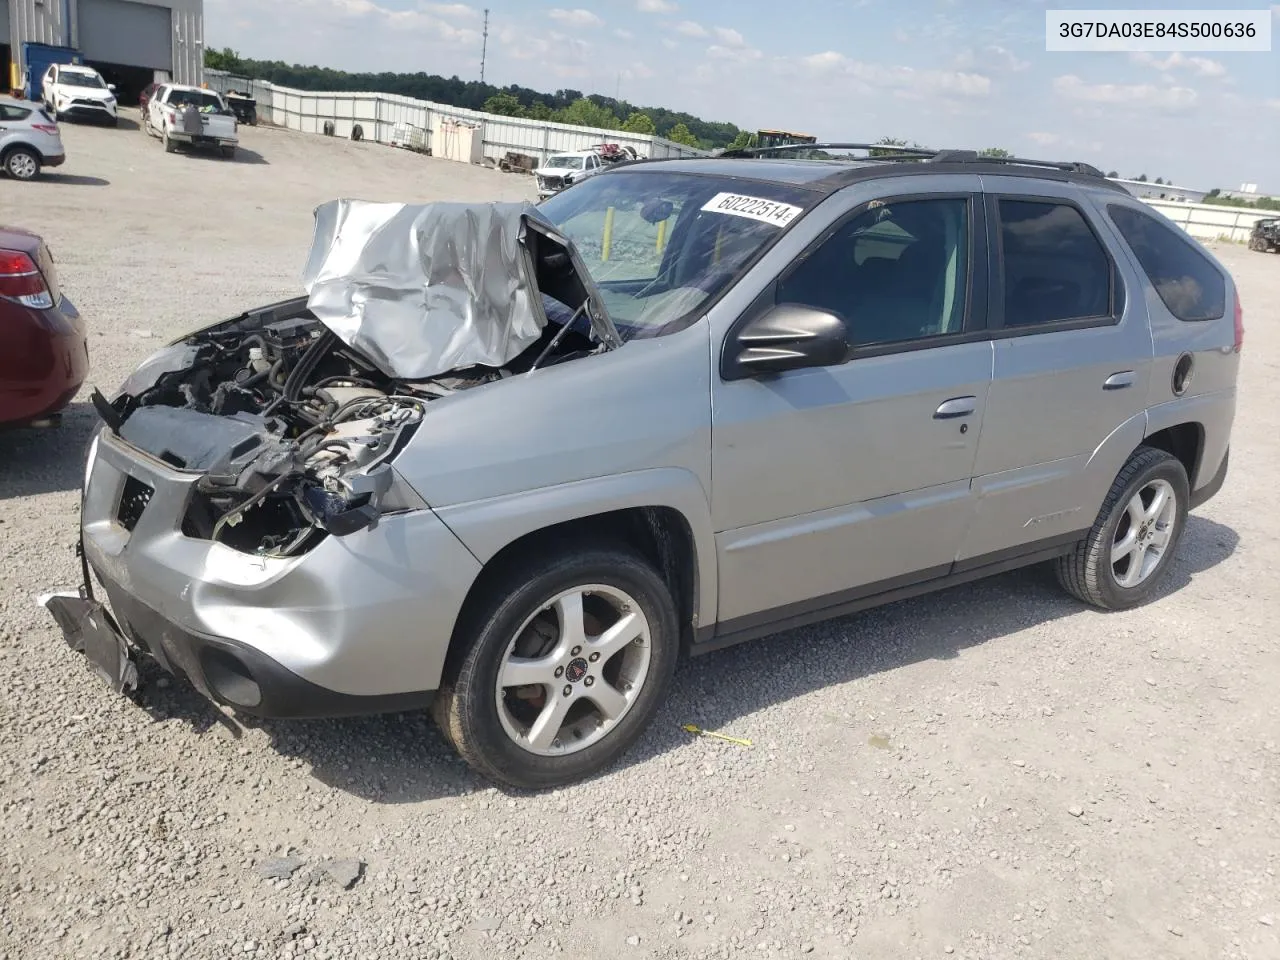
<point>79,110</point>
<point>358,624</point>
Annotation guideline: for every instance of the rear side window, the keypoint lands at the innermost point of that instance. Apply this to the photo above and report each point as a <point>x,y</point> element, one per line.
<point>1187,281</point>
<point>13,113</point>
<point>1055,268</point>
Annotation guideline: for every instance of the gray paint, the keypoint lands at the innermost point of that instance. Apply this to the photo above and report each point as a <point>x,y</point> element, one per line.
<point>120,31</point>
<point>4,38</point>
<point>796,486</point>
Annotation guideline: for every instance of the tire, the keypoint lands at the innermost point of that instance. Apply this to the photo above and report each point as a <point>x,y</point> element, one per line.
<point>170,146</point>
<point>1089,573</point>
<point>519,607</point>
<point>22,163</point>
<point>228,153</point>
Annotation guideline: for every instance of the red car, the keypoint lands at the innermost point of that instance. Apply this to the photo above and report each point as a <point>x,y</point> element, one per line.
<point>44,356</point>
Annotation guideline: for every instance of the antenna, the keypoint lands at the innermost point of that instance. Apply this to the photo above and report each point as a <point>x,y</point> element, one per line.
<point>484,48</point>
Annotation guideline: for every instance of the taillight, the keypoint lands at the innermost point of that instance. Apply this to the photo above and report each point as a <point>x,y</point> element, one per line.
<point>20,280</point>
<point>45,127</point>
<point>1239,323</point>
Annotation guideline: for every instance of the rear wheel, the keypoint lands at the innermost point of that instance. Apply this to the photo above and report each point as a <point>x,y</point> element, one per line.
<point>1131,544</point>
<point>22,163</point>
<point>569,657</point>
<point>170,146</point>
<point>228,153</point>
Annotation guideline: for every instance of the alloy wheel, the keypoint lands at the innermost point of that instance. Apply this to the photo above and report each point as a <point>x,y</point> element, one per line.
<point>573,670</point>
<point>1143,533</point>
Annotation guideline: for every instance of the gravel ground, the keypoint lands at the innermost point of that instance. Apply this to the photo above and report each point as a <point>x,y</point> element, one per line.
<point>989,772</point>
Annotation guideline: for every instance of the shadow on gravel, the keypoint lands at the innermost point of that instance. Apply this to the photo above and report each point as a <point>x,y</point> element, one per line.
<point>243,155</point>
<point>46,459</point>
<point>403,758</point>
<point>72,180</point>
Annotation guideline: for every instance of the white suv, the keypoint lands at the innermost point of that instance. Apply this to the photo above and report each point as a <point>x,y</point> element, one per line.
<point>564,169</point>
<point>76,92</point>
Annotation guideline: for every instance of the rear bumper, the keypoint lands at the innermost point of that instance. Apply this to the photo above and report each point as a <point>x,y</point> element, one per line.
<point>44,359</point>
<point>55,161</point>
<point>201,140</point>
<point>1210,489</point>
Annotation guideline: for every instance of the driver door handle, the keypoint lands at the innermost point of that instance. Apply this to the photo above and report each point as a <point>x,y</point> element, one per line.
<point>956,407</point>
<point>1118,381</point>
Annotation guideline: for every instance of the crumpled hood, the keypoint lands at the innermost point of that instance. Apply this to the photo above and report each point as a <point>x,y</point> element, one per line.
<point>428,288</point>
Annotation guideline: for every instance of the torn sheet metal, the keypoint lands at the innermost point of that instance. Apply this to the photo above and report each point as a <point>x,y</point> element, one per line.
<point>428,288</point>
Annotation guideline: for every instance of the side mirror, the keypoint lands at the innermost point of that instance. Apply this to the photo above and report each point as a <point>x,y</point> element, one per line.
<point>786,337</point>
<point>111,87</point>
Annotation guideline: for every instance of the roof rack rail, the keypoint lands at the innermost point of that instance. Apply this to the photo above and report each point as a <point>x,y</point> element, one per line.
<point>890,153</point>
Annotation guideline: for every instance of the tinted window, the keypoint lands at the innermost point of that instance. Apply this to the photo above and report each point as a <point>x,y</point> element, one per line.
<point>660,246</point>
<point>895,272</point>
<point>13,113</point>
<point>1054,266</point>
<point>1187,281</point>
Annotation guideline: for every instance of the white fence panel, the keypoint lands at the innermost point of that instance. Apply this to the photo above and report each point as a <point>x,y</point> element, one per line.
<point>1208,221</point>
<point>379,113</point>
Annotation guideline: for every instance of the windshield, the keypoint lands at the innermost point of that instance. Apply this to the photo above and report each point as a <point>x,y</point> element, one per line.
<point>566,163</point>
<point>205,102</point>
<point>91,80</point>
<point>661,245</point>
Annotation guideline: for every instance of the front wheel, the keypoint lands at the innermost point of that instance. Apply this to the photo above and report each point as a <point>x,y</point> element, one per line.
<point>568,659</point>
<point>1131,544</point>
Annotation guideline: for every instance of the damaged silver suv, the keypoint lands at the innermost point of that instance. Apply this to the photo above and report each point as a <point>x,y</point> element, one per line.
<point>515,461</point>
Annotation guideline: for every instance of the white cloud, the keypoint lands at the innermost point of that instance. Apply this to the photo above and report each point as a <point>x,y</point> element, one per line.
<point>1200,66</point>
<point>729,37</point>
<point>992,57</point>
<point>623,34</point>
<point>669,43</point>
<point>904,81</point>
<point>1274,104</point>
<point>656,6</point>
<point>1044,139</point>
<point>737,54</point>
<point>575,18</point>
<point>688,28</point>
<point>451,11</point>
<point>1072,87</point>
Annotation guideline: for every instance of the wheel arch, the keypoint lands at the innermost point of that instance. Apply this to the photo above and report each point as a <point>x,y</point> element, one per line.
<point>663,514</point>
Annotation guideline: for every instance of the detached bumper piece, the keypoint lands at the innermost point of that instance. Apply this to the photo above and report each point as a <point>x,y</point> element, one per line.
<point>225,671</point>
<point>90,629</point>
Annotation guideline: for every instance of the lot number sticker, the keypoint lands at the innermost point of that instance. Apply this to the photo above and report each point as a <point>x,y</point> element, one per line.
<point>753,208</point>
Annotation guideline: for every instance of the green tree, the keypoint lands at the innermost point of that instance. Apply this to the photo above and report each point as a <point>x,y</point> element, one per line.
<point>680,134</point>
<point>1142,178</point>
<point>1113,175</point>
<point>224,59</point>
<point>994,152</point>
<point>742,141</point>
<point>1212,193</point>
<point>585,113</point>
<point>538,110</point>
<point>639,123</point>
<point>1159,180</point>
<point>888,142</point>
<point>504,104</point>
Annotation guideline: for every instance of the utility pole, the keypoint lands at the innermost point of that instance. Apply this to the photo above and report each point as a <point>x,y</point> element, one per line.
<point>484,47</point>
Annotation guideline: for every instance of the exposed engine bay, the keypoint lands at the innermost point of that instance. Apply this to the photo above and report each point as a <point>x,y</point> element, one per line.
<point>292,413</point>
<point>291,430</point>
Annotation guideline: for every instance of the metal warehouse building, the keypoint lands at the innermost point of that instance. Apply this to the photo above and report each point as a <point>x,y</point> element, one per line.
<point>131,42</point>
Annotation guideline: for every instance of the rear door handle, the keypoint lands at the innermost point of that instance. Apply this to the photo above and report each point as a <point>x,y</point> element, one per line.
<point>956,407</point>
<point>1118,381</point>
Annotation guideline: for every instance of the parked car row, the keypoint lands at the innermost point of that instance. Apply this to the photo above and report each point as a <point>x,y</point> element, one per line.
<point>177,114</point>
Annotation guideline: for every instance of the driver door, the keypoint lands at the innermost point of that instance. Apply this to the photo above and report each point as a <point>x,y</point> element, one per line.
<point>836,483</point>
